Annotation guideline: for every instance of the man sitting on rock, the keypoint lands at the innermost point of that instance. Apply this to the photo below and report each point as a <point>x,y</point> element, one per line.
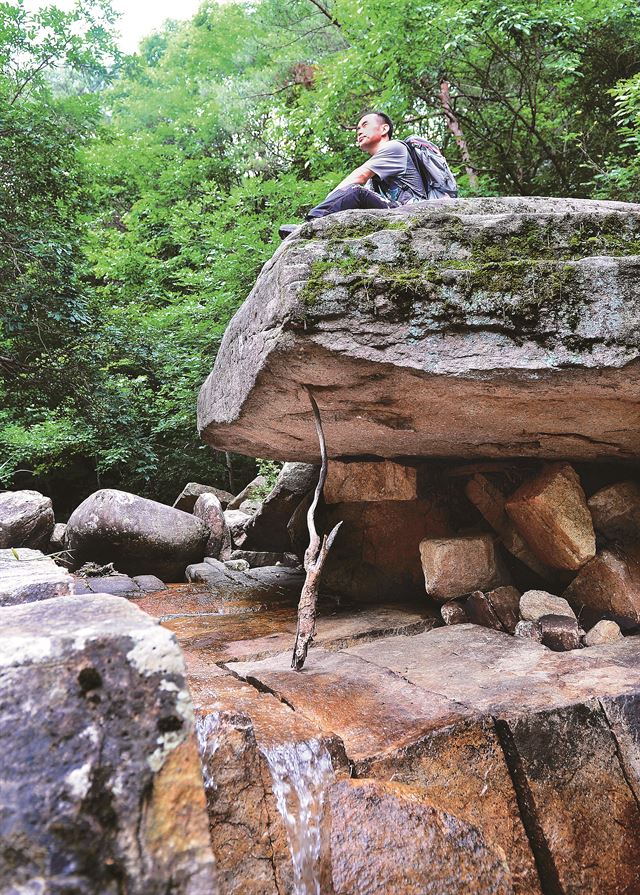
<point>397,180</point>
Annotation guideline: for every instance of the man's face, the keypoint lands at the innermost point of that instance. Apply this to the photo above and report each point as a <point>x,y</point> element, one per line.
<point>370,131</point>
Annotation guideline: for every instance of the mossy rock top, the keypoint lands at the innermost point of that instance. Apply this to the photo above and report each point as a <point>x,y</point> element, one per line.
<point>473,327</point>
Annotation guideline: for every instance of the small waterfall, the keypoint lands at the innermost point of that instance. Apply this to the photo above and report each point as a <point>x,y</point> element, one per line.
<point>208,738</point>
<point>300,774</point>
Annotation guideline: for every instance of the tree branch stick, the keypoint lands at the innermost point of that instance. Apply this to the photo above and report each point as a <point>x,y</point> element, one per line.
<point>314,558</point>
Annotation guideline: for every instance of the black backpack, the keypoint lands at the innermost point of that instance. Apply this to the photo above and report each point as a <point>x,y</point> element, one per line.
<point>439,182</point>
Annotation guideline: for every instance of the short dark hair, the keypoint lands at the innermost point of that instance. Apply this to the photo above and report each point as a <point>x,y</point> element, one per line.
<point>384,117</point>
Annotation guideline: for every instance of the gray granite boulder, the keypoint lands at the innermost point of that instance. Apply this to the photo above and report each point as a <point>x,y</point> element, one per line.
<point>100,783</point>
<point>474,328</point>
<point>137,535</point>
<point>187,498</point>
<point>268,528</point>
<point>26,519</point>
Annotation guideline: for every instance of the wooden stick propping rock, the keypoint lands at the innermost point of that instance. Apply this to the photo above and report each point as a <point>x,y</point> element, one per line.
<point>314,558</point>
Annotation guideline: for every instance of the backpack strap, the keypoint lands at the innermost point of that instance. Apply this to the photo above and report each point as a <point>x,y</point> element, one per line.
<point>420,168</point>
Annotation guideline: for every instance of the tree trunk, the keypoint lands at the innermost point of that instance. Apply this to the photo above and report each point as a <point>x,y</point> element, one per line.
<point>454,126</point>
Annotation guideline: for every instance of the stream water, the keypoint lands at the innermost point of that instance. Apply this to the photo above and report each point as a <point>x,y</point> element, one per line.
<point>208,737</point>
<point>301,773</point>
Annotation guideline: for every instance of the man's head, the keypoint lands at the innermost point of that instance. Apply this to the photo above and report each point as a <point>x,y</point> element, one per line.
<point>373,130</point>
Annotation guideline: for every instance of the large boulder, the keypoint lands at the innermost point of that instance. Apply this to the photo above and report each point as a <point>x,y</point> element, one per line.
<point>475,328</point>
<point>26,519</point>
<point>139,536</point>
<point>268,528</point>
<point>100,784</point>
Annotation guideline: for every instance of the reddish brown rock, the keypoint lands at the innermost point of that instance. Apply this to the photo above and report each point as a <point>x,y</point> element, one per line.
<point>456,566</point>
<point>260,759</point>
<point>610,583</point>
<point>616,512</point>
<point>386,838</point>
<point>376,554</point>
<point>551,513</point>
<point>580,813</point>
<point>490,501</point>
<point>480,611</point>
<point>383,480</point>
<point>505,602</point>
<point>453,613</point>
<point>461,769</point>
<point>559,633</point>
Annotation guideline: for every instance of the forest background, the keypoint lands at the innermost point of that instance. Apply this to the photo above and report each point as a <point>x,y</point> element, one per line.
<point>140,195</point>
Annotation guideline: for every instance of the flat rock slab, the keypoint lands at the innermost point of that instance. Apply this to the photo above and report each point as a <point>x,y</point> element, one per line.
<point>373,710</point>
<point>495,673</point>
<point>100,782</point>
<point>391,317</point>
<point>28,575</point>
<point>116,585</point>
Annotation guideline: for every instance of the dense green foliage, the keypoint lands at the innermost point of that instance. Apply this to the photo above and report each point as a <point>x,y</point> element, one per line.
<point>139,196</point>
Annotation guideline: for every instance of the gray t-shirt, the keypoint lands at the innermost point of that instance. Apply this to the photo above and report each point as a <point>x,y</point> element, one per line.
<point>400,180</point>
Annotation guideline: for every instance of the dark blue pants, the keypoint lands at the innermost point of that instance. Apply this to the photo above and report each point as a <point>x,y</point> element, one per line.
<point>353,196</point>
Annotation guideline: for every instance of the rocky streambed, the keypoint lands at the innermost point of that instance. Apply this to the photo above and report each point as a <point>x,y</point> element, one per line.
<point>468,718</point>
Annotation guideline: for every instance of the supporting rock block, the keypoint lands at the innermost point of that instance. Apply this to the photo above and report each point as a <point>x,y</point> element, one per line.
<point>552,515</point>
<point>610,584</point>
<point>385,480</point>
<point>616,512</point>
<point>455,566</point>
<point>100,783</point>
<point>376,553</point>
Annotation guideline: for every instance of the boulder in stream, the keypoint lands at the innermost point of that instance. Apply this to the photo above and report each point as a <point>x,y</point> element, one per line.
<point>139,536</point>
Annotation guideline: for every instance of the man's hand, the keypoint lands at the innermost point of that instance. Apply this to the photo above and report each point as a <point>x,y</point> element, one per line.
<point>360,175</point>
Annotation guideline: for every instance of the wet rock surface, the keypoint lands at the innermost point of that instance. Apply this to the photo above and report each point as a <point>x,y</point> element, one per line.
<point>403,332</point>
<point>89,804</point>
<point>432,851</point>
<point>433,711</point>
<point>139,536</point>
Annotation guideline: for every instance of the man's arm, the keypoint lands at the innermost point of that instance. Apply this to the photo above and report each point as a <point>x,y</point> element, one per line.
<point>360,175</point>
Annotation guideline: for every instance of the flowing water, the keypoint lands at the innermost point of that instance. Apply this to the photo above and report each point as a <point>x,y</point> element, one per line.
<point>301,773</point>
<point>208,737</point>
